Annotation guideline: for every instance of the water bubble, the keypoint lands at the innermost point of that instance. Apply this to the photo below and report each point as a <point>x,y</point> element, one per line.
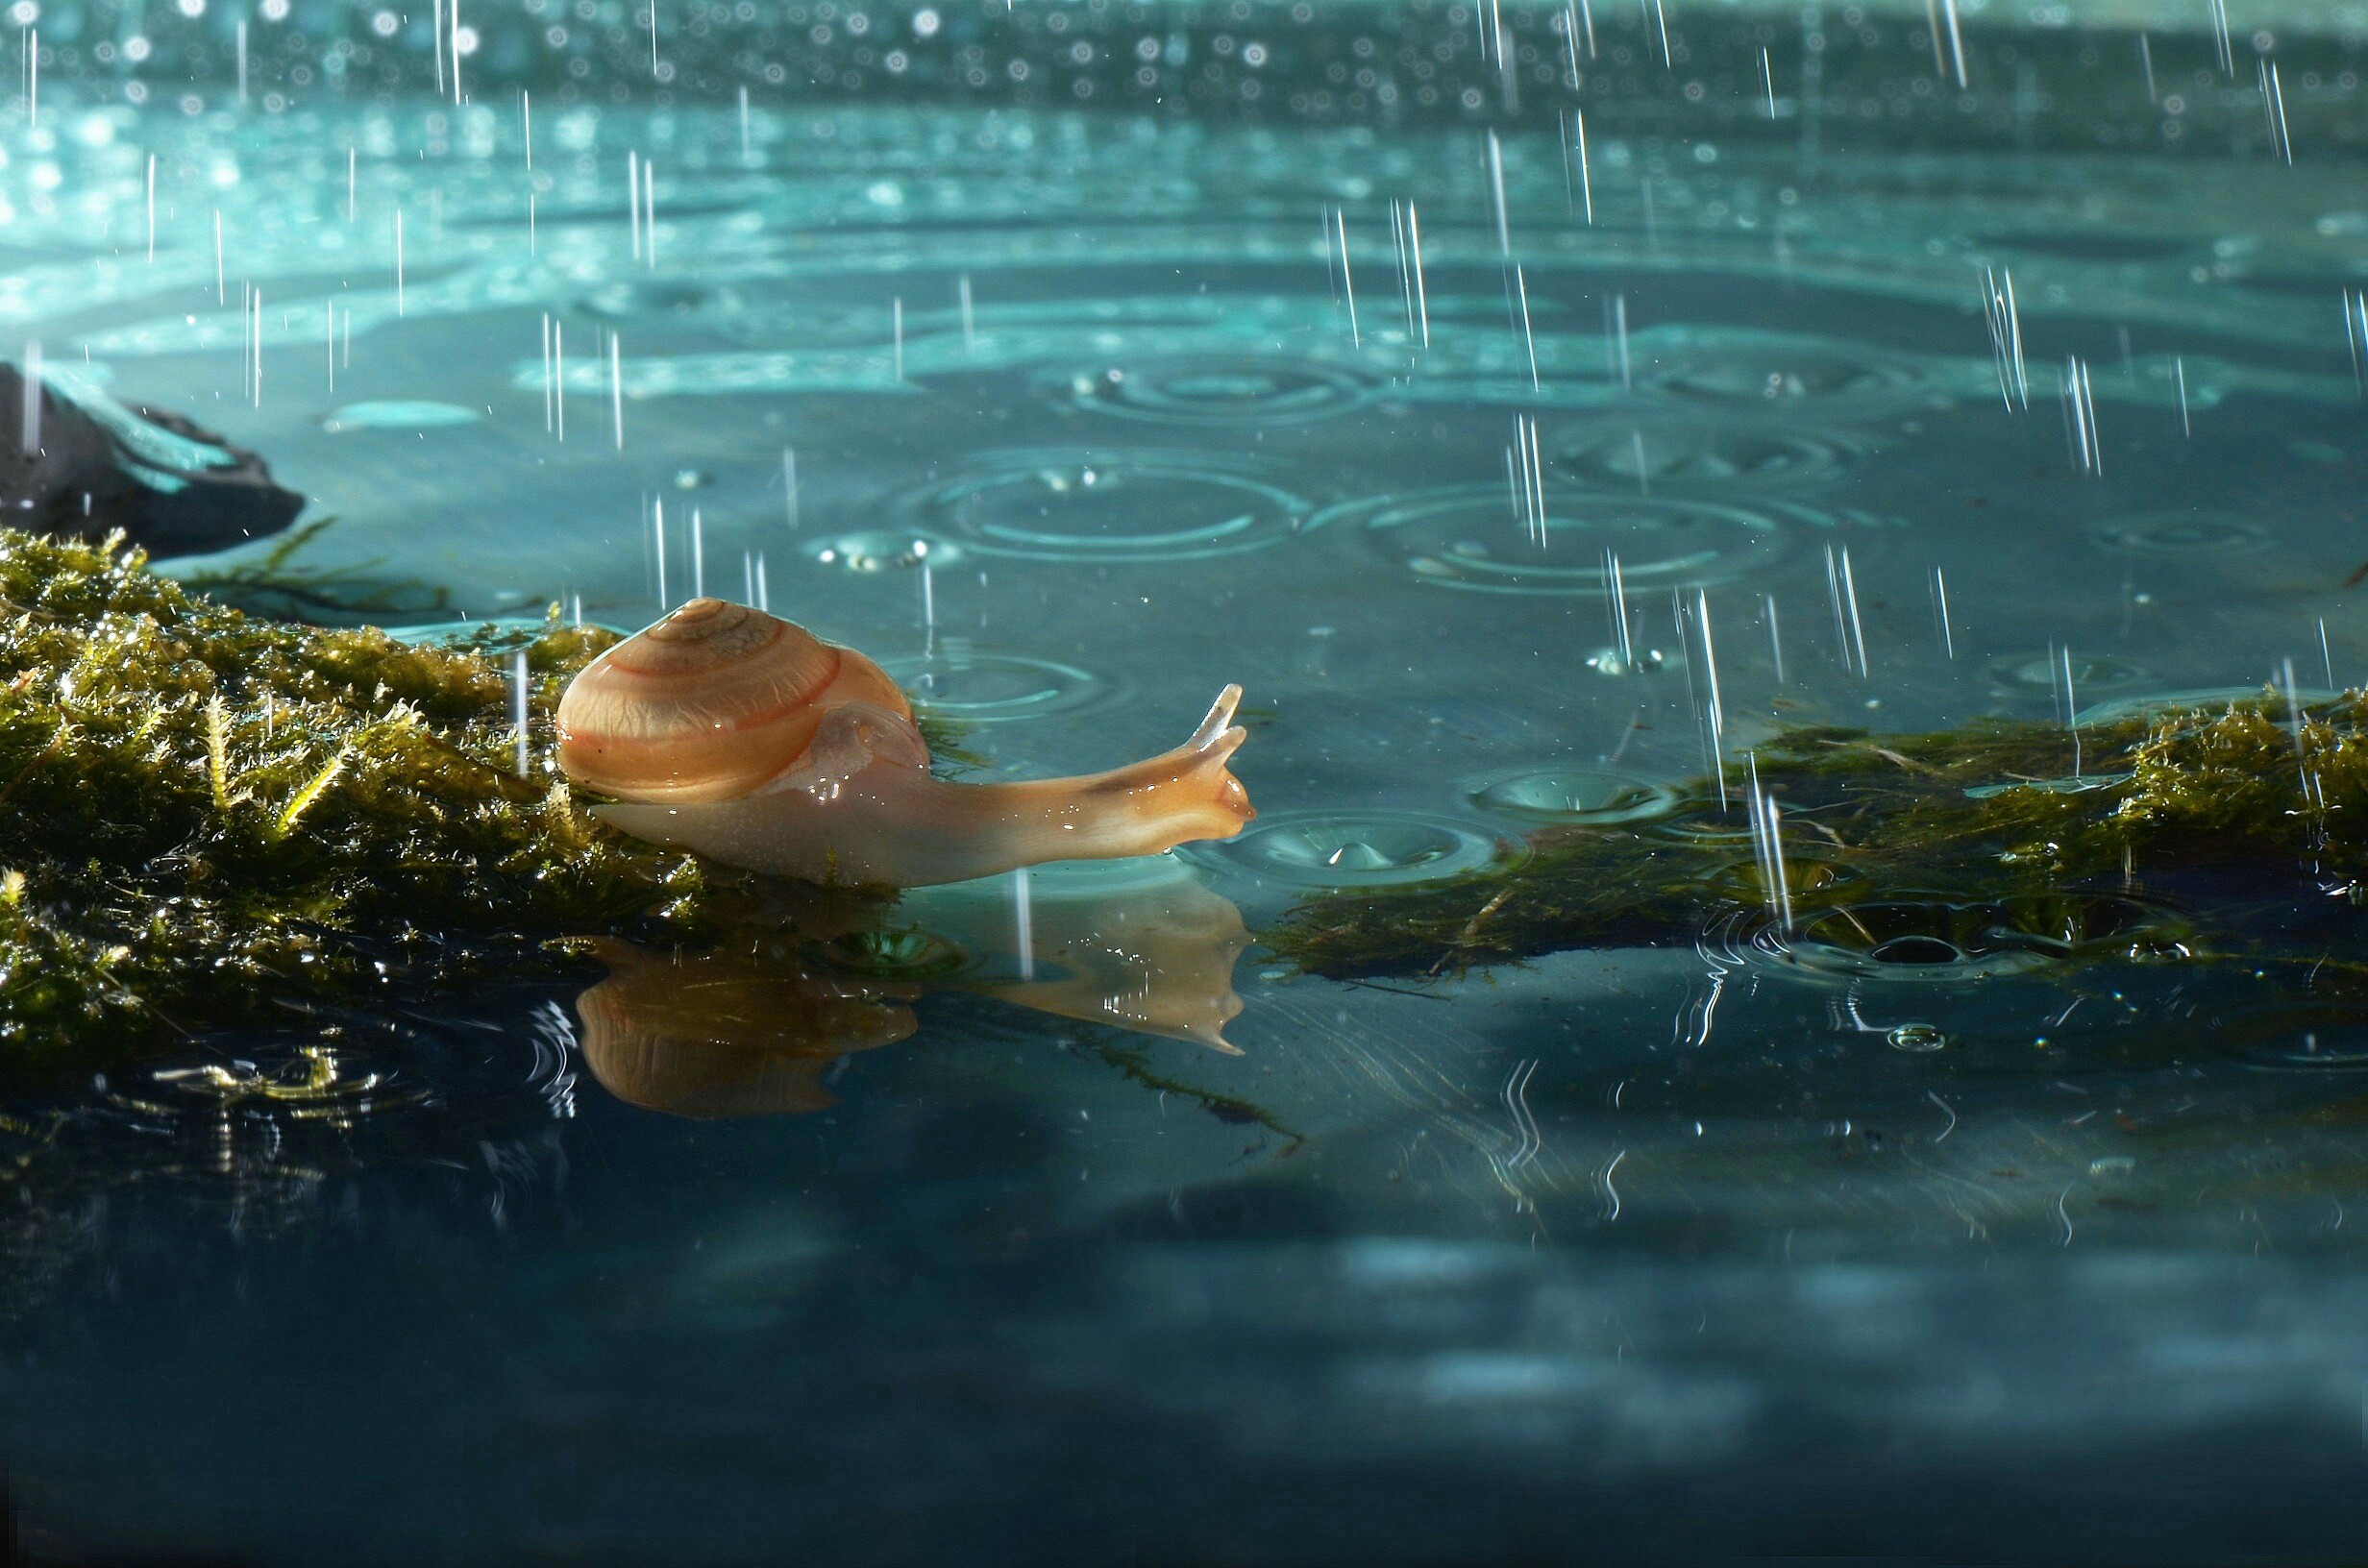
<point>1607,661</point>
<point>1088,506</point>
<point>883,549</point>
<point>1355,848</point>
<point>1920,1037</point>
<point>1573,795</point>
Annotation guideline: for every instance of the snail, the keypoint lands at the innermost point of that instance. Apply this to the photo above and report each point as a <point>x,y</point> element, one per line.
<point>726,731</point>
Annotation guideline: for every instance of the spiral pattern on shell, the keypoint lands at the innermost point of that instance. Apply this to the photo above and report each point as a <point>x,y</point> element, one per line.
<point>707,705</point>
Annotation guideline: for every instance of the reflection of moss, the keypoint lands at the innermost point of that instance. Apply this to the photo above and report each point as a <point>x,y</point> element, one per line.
<point>1874,819</point>
<point>205,812</point>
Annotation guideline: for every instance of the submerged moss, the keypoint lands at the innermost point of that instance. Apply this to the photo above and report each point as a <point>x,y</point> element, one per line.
<point>279,584</point>
<point>1983,813</point>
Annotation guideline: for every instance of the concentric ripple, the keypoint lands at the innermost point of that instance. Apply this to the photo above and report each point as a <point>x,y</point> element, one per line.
<point>981,688</point>
<point>1467,537</point>
<point>2179,534</point>
<point>1353,848</point>
<point>2212,702</point>
<point>2091,674</point>
<point>1217,389</point>
<point>1078,506</point>
<point>1792,374</point>
<point>1576,795</point>
<point>1933,939</point>
<point>2296,1037</point>
<point>1707,459</point>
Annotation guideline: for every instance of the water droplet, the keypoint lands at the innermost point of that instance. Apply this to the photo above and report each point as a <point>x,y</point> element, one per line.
<point>1606,661</point>
<point>1757,370</point>
<point>883,549</point>
<point>1573,795</point>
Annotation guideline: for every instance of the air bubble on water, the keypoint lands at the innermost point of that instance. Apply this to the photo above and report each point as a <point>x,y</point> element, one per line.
<point>1917,1037</point>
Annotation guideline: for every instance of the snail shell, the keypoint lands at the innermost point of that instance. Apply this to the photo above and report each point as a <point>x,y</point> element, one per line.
<point>709,704</point>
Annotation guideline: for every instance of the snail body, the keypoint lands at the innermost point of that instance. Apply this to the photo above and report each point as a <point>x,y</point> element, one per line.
<point>726,731</point>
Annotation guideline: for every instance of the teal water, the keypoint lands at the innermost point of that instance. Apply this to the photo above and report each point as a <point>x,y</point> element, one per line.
<point>917,1251</point>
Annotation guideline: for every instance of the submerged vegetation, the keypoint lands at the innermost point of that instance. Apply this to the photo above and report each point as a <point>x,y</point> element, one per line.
<point>277,584</point>
<point>1893,847</point>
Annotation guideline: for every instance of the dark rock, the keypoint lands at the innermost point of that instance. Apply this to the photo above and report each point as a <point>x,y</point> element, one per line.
<point>172,487</point>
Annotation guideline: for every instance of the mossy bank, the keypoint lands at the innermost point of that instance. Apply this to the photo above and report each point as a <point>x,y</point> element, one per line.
<point>2243,811</point>
<point>205,816</point>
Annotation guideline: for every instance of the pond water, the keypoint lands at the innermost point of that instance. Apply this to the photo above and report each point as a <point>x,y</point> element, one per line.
<point>968,1239</point>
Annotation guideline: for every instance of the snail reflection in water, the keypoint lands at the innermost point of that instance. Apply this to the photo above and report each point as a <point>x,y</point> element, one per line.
<point>755,1028</point>
<point>724,730</point>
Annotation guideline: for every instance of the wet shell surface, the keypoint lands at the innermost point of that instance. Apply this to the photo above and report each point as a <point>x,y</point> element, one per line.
<point>707,705</point>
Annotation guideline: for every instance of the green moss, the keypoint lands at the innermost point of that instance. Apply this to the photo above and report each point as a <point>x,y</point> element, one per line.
<point>203,814</point>
<point>1977,814</point>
